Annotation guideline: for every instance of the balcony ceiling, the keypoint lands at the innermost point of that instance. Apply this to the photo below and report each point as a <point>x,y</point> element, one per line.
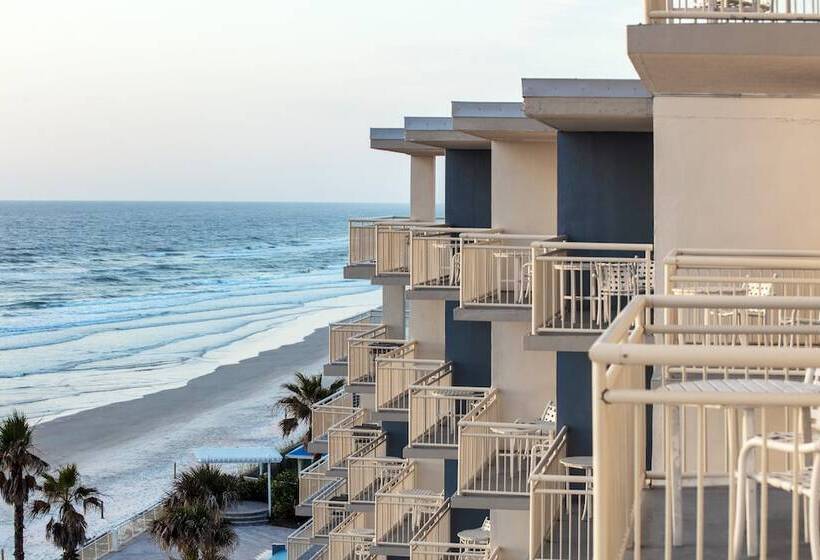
<point>499,121</point>
<point>392,140</point>
<point>589,105</point>
<point>727,58</point>
<point>439,132</point>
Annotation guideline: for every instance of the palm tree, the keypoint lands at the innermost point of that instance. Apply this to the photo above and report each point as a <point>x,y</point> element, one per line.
<point>304,392</point>
<point>203,484</point>
<point>19,468</point>
<point>65,493</point>
<point>196,531</point>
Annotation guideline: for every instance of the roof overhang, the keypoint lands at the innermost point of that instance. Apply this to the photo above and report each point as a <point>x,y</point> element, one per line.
<point>499,121</point>
<point>439,132</point>
<point>234,455</point>
<point>754,58</point>
<point>392,140</point>
<point>589,105</point>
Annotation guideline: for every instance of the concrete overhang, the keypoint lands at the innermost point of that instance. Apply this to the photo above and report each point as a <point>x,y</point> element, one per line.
<point>392,140</point>
<point>439,132</point>
<point>727,58</point>
<point>499,121</point>
<point>589,105</point>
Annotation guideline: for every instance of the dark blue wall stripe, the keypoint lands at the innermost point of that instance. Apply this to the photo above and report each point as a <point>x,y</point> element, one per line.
<point>467,191</point>
<point>468,344</point>
<point>396,437</point>
<point>604,195</point>
<point>605,186</point>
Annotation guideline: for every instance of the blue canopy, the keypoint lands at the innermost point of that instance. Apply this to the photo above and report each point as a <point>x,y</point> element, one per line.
<point>300,453</point>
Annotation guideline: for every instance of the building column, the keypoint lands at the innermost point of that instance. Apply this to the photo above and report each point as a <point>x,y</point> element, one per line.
<point>393,310</point>
<point>423,188</point>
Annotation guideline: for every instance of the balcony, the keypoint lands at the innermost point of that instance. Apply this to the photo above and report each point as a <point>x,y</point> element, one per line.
<point>436,408</point>
<point>362,353</point>
<point>578,288</point>
<point>401,510</point>
<point>733,392</point>
<point>496,458</point>
<point>395,373</point>
<point>353,435</point>
<point>327,412</point>
<point>340,335</point>
<point>329,509</point>
<point>435,263</point>
<point>432,542</point>
<point>312,480</point>
<point>351,539</point>
<point>496,276</point>
<point>393,250</point>
<point>368,475</point>
<point>300,546</point>
<point>560,508</point>
<point>705,11</point>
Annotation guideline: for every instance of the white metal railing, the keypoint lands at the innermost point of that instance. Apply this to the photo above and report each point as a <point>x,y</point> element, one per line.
<point>350,436</point>
<point>560,508</point>
<point>393,245</point>
<point>330,508</point>
<point>717,386</point>
<point>688,11</point>
<point>436,256</point>
<point>496,269</point>
<point>580,287</point>
<point>119,535</point>
<point>496,457</point>
<point>432,542</point>
<point>350,538</point>
<point>362,239</point>
<point>436,407</point>
<point>367,475</point>
<point>363,351</point>
<point>340,333</point>
<point>331,410</point>
<point>751,273</point>
<point>396,371</point>
<point>402,508</point>
<point>300,546</point>
<point>313,479</point>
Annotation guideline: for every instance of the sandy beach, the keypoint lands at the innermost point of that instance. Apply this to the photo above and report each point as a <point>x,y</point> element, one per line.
<point>128,449</point>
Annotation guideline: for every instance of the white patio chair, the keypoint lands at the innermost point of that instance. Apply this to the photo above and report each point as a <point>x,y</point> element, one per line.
<point>615,280</point>
<point>808,478</point>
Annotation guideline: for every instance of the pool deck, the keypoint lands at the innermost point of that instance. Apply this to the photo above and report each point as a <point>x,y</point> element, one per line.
<point>253,540</point>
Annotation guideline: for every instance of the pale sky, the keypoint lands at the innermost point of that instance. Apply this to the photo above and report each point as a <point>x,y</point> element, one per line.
<point>265,99</point>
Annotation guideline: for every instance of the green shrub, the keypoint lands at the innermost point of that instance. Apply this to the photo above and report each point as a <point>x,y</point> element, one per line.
<point>285,494</point>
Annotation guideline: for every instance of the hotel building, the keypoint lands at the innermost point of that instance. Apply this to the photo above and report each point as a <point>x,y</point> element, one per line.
<point>606,346</point>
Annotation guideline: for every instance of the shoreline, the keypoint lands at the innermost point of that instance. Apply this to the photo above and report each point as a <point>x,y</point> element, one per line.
<point>65,438</point>
<point>127,449</point>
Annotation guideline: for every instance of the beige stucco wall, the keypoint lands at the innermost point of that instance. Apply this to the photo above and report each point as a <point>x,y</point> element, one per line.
<point>423,187</point>
<point>524,187</point>
<point>426,326</point>
<point>393,310</point>
<point>736,173</point>
<point>510,532</point>
<point>525,380</point>
<point>430,474</point>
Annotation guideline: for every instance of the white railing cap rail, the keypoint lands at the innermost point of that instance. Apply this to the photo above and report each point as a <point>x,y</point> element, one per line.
<point>701,252</point>
<point>514,236</point>
<point>726,15</point>
<point>588,246</point>
<point>363,339</point>
<point>610,349</point>
<point>315,466</point>
<point>382,460</point>
<point>409,223</point>
<point>460,391</point>
<point>785,261</point>
<point>459,230</point>
<point>411,361</point>
<point>551,453</point>
<point>377,218</point>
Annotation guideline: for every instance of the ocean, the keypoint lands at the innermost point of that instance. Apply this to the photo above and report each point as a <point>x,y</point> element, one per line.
<point>108,301</point>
